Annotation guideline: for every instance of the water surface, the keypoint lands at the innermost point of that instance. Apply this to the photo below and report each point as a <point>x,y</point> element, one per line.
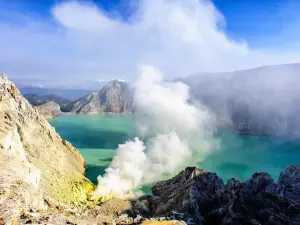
<point>239,156</point>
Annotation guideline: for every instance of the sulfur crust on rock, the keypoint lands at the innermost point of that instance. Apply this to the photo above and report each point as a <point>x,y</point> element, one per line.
<point>102,199</point>
<point>36,160</point>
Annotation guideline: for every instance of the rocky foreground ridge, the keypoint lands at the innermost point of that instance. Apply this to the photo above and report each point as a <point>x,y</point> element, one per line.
<point>201,197</point>
<point>37,167</point>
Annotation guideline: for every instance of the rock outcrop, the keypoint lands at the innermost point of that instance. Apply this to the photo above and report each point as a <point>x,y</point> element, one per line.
<point>37,100</point>
<point>50,109</point>
<point>115,96</point>
<point>42,176</point>
<point>38,168</point>
<point>201,197</point>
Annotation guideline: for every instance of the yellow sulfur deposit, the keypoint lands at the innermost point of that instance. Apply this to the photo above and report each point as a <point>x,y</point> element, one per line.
<point>101,199</point>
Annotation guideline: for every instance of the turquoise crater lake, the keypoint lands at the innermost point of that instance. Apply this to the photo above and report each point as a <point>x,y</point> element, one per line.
<point>98,136</point>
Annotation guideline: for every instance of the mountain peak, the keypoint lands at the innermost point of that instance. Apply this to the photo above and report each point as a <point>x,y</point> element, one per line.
<point>115,96</point>
<point>115,83</point>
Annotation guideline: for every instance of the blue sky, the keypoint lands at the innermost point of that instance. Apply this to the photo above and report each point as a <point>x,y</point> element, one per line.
<point>257,21</point>
<point>111,38</point>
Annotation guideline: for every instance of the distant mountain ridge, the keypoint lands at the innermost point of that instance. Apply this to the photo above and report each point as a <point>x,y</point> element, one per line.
<point>115,97</point>
<point>69,94</point>
<point>38,100</point>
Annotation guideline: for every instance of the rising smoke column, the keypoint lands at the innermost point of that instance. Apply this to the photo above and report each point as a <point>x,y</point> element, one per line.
<point>178,134</point>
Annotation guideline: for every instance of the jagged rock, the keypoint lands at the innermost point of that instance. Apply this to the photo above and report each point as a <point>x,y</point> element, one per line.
<point>141,207</point>
<point>202,196</point>
<point>290,176</point>
<point>191,191</point>
<point>115,96</point>
<point>36,166</point>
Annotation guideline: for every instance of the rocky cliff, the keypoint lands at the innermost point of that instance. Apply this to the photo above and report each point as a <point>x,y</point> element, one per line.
<point>115,96</point>
<point>201,197</point>
<point>37,168</point>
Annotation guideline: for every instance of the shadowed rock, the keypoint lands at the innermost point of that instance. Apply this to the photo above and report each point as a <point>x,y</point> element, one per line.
<point>202,197</point>
<point>290,176</point>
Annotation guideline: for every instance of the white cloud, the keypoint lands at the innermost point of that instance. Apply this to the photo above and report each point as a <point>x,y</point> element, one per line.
<point>82,42</point>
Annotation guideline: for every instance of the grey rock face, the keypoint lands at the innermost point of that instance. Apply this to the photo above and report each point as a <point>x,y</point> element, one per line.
<point>290,176</point>
<point>203,198</point>
<point>183,192</point>
<point>115,96</point>
<point>50,109</point>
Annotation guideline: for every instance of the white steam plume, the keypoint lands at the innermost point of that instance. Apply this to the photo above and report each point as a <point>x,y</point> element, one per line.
<point>125,171</point>
<point>178,134</point>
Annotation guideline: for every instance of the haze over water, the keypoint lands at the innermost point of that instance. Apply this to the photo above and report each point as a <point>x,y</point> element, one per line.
<point>97,137</point>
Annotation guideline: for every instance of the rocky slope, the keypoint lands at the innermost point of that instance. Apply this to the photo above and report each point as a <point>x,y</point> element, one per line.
<point>115,97</point>
<point>49,105</point>
<point>37,167</point>
<point>37,100</point>
<point>50,109</point>
<point>201,197</point>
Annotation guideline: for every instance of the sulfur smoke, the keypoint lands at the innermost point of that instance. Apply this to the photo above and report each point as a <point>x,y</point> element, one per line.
<point>178,133</point>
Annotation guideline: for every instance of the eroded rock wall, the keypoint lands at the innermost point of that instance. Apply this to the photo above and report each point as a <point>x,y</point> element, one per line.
<point>37,165</point>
